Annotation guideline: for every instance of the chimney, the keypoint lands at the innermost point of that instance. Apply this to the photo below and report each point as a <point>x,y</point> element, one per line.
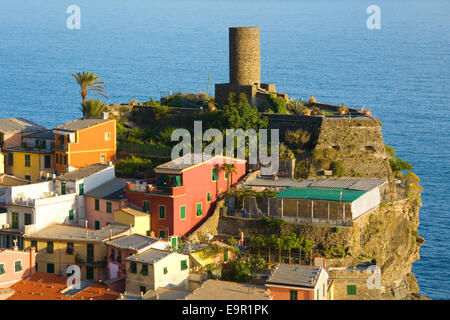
<point>104,115</point>
<point>16,248</point>
<point>110,234</point>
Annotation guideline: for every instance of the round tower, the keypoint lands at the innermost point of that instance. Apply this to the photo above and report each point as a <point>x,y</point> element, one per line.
<point>245,67</point>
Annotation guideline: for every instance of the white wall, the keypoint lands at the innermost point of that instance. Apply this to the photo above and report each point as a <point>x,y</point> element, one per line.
<point>28,191</point>
<point>175,278</point>
<point>371,199</point>
<point>323,280</point>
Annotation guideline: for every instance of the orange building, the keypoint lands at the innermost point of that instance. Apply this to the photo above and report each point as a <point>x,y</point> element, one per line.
<point>83,142</point>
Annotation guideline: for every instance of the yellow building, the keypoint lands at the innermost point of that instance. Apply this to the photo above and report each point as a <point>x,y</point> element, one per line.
<point>32,165</point>
<point>33,159</point>
<point>138,219</point>
<point>59,246</point>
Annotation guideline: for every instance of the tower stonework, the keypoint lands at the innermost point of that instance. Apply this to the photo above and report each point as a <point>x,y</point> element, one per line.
<point>245,66</point>
<point>245,70</point>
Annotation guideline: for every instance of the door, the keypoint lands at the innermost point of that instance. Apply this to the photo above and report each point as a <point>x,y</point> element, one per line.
<point>89,273</point>
<point>90,253</point>
<point>63,188</point>
<point>50,268</point>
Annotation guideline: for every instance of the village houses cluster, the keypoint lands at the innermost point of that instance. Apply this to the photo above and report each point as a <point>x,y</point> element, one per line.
<point>61,204</point>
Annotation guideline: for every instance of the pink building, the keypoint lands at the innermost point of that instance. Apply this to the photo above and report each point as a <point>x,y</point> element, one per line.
<point>13,129</point>
<point>16,265</point>
<point>185,193</point>
<point>103,201</point>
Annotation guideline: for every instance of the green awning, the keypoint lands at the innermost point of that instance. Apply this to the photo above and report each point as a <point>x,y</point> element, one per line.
<point>320,194</point>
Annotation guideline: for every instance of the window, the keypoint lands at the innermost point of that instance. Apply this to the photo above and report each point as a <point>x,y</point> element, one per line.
<point>198,209</point>
<point>103,158</point>
<point>107,136</point>
<point>108,207</point>
<point>50,268</point>
<point>97,204</point>
<point>63,188</point>
<point>28,177</point>
<point>161,180</point>
<point>318,290</point>
<point>70,248</point>
<point>208,197</point>
<point>184,264</point>
<point>49,247</point>
<point>214,174</point>
<point>165,270</point>
<point>142,289</point>
<point>133,267</point>
<point>10,159</point>
<point>175,181</point>
<point>2,269</point>
<point>162,212</point>
<point>34,244</point>
<point>71,214</point>
<point>225,254</point>
<point>351,290</point>
<point>162,234</point>
<point>144,269</point>
<point>119,256</point>
<point>57,158</point>
<point>112,255</point>
<point>145,206</point>
<point>90,253</point>
<point>47,161</point>
<point>97,225</point>
<point>27,160</point>
<point>81,188</point>
<point>27,219</point>
<point>65,160</point>
<point>15,220</point>
<point>182,212</point>
<point>293,294</point>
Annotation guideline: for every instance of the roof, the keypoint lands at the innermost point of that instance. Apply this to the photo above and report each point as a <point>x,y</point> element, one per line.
<point>362,184</point>
<point>320,194</point>
<point>133,242</point>
<point>187,161</point>
<point>149,256</point>
<point>133,211</point>
<point>75,233</point>
<point>225,290</point>
<point>45,286</point>
<point>82,173</point>
<point>202,261</point>
<point>294,275</point>
<point>16,125</point>
<point>43,134</point>
<point>80,124</point>
<point>111,190</point>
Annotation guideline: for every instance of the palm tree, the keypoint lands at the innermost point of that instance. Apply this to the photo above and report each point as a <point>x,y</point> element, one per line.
<point>93,108</point>
<point>229,169</point>
<point>89,82</point>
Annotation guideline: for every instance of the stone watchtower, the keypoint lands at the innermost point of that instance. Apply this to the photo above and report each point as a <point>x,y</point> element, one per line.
<point>245,69</point>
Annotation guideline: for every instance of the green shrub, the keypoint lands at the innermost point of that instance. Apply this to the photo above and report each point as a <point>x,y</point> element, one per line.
<point>278,103</point>
<point>398,165</point>
<point>129,167</point>
<point>338,168</point>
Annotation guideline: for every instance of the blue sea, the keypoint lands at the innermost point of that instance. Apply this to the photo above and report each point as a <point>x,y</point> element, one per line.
<point>144,48</point>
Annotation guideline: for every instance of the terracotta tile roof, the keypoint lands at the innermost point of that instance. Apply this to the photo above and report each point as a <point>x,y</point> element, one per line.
<point>44,286</point>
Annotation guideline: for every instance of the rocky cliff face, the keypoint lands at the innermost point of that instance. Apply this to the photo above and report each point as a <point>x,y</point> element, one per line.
<point>388,236</point>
